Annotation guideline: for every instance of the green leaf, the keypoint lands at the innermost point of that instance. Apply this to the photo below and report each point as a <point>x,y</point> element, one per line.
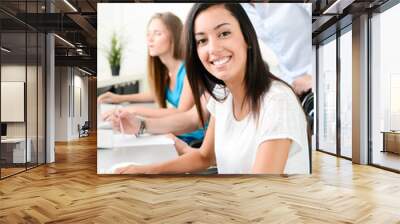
<point>115,53</point>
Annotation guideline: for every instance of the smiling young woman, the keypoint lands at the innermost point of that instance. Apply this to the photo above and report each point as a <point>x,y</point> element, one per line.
<point>258,125</point>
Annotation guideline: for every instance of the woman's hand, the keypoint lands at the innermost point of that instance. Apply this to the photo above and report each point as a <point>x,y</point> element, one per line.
<point>133,169</point>
<point>107,115</point>
<point>180,146</point>
<point>302,84</point>
<point>125,122</point>
<point>109,97</point>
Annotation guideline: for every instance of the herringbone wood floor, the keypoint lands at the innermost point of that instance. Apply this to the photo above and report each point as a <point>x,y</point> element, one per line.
<point>70,191</point>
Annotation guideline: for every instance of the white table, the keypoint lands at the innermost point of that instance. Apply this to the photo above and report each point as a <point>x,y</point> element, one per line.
<point>117,80</point>
<point>141,151</point>
<point>108,159</point>
<point>106,107</point>
<point>114,150</point>
<point>19,155</point>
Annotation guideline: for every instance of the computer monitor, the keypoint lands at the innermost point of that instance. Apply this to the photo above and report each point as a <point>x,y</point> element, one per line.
<point>3,129</point>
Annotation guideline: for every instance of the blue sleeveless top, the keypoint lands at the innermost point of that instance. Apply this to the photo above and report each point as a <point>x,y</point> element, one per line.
<point>173,98</point>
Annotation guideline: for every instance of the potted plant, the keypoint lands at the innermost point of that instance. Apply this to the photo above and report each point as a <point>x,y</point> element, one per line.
<point>114,55</point>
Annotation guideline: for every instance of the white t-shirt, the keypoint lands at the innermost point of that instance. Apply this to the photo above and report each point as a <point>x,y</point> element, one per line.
<point>237,142</point>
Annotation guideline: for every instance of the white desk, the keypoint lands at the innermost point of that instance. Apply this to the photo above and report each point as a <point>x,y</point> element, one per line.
<point>144,151</point>
<point>117,80</point>
<point>19,149</point>
<point>106,107</point>
<point>109,158</point>
<point>114,149</point>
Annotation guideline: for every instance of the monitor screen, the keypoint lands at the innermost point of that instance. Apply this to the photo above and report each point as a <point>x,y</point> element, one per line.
<point>3,129</point>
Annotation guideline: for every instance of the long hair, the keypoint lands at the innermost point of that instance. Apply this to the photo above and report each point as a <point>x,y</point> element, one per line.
<point>257,79</point>
<point>157,71</point>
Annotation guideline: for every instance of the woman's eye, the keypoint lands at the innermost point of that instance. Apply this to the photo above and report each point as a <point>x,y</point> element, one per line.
<point>201,41</point>
<point>225,34</point>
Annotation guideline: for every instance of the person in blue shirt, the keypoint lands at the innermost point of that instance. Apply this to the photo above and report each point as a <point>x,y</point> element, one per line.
<point>166,73</point>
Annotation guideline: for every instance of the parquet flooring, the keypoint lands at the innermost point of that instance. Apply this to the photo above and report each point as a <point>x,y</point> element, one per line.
<point>70,191</point>
<point>9,171</point>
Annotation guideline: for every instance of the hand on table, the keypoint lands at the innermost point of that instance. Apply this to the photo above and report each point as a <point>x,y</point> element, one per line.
<point>132,169</point>
<point>125,122</point>
<point>107,115</point>
<point>109,97</point>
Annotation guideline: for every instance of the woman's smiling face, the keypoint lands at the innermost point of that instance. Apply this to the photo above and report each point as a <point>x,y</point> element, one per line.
<point>220,43</point>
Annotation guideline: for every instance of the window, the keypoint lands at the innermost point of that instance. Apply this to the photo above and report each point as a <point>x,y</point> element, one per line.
<point>23,76</point>
<point>385,89</point>
<point>327,96</point>
<point>346,94</point>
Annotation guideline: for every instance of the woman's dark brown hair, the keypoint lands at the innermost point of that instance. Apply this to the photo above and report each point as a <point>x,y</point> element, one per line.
<point>258,78</point>
<point>157,71</point>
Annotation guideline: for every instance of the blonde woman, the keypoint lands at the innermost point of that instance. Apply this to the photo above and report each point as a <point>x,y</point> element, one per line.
<point>166,72</point>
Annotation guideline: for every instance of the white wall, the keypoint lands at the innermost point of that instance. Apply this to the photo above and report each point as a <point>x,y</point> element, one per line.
<point>12,101</point>
<point>12,73</point>
<point>69,85</point>
<point>314,89</point>
<point>84,85</point>
<point>61,103</point>
<point>129,22</point>
<point>33,126</point>
<point>80,114</point>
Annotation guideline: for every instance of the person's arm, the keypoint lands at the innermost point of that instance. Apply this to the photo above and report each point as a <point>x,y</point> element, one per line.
<point>144,111</point>
<point>185,103</point>
<point>272,156</point>
<point>154,112</point>
<point>193,161</point>
<point>302,84</point>
<point>109,97</point>
<point>181,146</point>
<point>178,123</point>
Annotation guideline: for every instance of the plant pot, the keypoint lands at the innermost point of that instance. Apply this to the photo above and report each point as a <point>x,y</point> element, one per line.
<point>115,70</point>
